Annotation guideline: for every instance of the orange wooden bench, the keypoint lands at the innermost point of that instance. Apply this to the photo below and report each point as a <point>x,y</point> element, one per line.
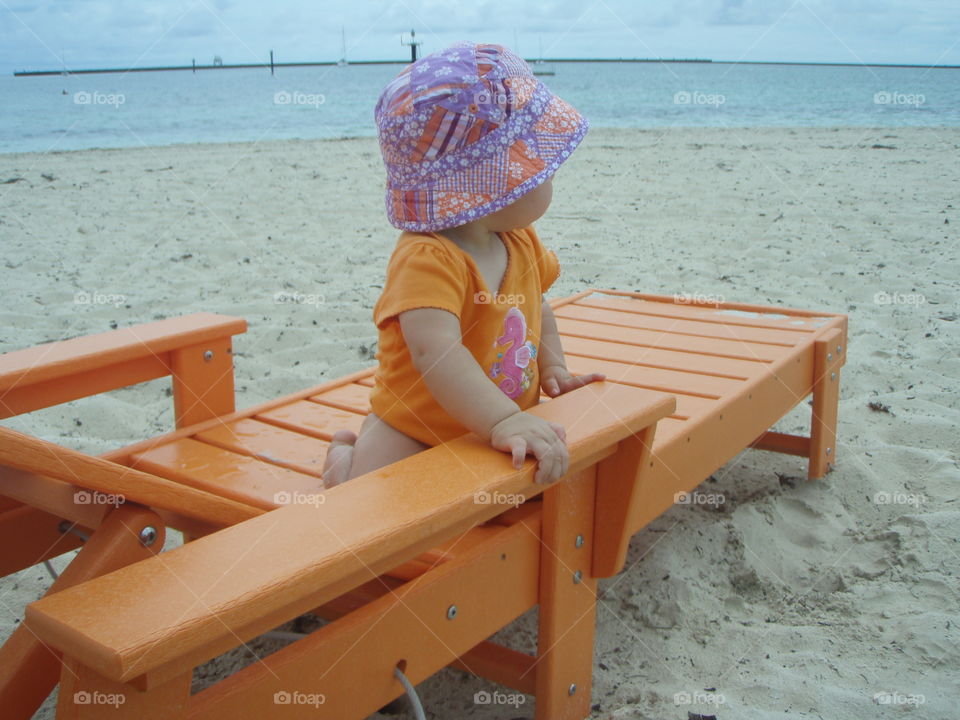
<point>414,565</point>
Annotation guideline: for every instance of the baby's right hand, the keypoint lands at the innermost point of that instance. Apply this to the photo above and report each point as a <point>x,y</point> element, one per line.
<point>522,433</point>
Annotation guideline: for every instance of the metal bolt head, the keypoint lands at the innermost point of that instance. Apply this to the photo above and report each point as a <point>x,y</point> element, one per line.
<point>839,349</point>
<point>572,690</point>
<point>829,356</point>
<point>829,450</point>
<point>208,355</point>
<point>148,536</point>
<point>577,577</point>
<point>579,541</point>
<point>833,376</point>
<point>451,612</point>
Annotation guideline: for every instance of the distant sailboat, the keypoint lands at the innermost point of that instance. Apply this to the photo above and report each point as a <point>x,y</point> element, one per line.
<point>342,62</point>
<point>543,68</point>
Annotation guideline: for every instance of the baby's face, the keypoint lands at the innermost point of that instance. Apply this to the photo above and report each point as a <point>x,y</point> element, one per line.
<point>524,211</point>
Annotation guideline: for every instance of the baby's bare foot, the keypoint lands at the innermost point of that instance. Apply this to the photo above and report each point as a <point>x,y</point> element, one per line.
<point>336,468</point>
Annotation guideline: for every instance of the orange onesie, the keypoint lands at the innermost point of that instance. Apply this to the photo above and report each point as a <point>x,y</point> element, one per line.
<point>501,330</point>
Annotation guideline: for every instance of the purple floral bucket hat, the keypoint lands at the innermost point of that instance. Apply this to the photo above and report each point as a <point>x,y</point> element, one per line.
<point>467,131</point>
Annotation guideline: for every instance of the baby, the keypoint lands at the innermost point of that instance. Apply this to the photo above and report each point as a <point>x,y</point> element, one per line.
<point>470,139</point>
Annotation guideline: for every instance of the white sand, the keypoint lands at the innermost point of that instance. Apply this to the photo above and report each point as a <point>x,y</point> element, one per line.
<point>792,599</point>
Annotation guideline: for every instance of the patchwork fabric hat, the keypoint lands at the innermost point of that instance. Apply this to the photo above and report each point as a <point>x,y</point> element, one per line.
<point>467,131</point>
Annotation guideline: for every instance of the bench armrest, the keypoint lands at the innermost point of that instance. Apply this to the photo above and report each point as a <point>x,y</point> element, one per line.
<point>58,372</point>
<point>188,605</point>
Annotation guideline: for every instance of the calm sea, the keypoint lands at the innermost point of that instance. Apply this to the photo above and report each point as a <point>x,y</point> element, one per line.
<point>160,108</point>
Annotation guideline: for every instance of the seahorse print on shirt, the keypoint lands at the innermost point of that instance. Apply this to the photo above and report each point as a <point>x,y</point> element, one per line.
<point>513,361</point>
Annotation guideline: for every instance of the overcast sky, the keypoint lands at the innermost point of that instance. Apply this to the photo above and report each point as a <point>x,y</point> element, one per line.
<point>126,33</point>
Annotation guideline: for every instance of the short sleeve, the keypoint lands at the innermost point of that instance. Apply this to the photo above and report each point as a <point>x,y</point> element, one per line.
<point>421,275</point>
<point>548,266</point>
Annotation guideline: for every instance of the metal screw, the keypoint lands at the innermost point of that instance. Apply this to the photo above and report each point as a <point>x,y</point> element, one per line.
<point>148,536</point>
<point>572,690</point>
<point>579,542</point>
<point>829,450</point>
<point>839,349</point>
<point>451,612</point>
<point>829,356</point>
<point>208,356</point>
<point>577,577</point>
<point>833,376</point>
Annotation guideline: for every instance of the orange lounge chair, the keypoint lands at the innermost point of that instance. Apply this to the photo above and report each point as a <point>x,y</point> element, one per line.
<point>416,564</point>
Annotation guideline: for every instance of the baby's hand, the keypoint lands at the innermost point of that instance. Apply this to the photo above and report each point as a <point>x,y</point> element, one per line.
<point>522,433</point>
<point>557,380</point>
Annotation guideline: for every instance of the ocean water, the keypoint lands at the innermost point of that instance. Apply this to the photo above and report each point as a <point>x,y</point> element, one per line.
<point>68,112</point>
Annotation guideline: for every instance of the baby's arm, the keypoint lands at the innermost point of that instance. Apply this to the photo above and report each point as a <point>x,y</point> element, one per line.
<point>555,379</point>
<point>461,387</point>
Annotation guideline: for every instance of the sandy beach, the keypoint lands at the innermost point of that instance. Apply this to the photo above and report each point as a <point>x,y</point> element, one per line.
<point>832,599</point>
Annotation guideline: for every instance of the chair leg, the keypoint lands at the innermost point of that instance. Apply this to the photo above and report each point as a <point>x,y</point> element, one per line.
<point>87,695</point>
<point>568,596</point>
<point>828,358</point>
<point>29,670</point>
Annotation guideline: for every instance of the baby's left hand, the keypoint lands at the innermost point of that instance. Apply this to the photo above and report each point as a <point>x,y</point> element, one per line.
<point>557,380</point>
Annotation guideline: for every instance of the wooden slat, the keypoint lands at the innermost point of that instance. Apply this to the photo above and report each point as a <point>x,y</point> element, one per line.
<point>655,357</point>
<point>354,397</point>
<point>670,381</point>
<point>769,318</point>
<point>269,443</point>
<point>238,477</point>
<point>311,418</point>
<point>667,340</point>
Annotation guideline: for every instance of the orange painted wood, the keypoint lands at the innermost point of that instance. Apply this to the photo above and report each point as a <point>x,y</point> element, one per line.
<point>829,356</point>
<point>749,307</point>
<point>202,381</point>
<point>75,357</point>
<point>24,452</point>
<point>655,357</point>
<point>610,319</point>
<point>350,661</point>
<point>564,665</point>
<point>54,497</point>
<point>316,419</point>
<point>617,483</point>
<point>765,317</point>
<point>667,339</point>
<point>302,453</point>
<point>686,452</point>
<point>237,478</point>
<point>29,669</point>
<point>501,665</point>
<point>301,555</point>
<point>87,695</point>
<point>669,381</point>
<point>353,397</point>
<point>29,536</point>
<point>783,443</point>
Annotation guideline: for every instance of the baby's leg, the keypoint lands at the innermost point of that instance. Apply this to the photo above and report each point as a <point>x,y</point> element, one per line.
<point>379,444</point>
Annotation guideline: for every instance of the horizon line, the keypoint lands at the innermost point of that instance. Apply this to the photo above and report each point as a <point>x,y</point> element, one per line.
<point>532,61</point>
